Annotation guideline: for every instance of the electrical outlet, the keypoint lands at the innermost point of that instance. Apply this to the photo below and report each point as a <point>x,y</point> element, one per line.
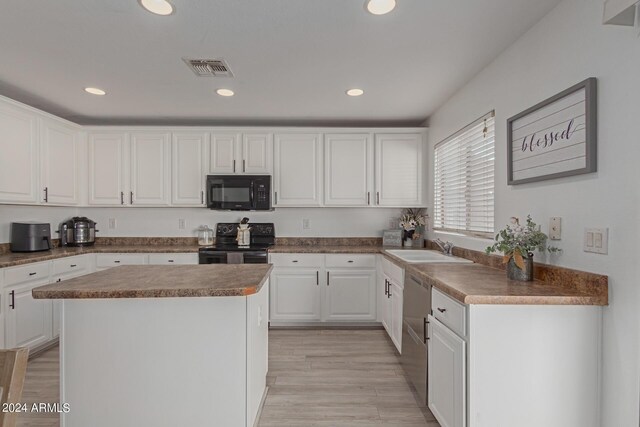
<point>555,228</point>
<point>112,224</point>
<point>596,240</point>
<point>305,224</point>
<point>182,224</point>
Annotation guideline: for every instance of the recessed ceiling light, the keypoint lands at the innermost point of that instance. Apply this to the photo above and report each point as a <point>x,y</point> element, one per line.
<point>94,91</point>
<point>355,92</point>
<point>159,7</point>
<point>380,7</point>
<point>225,92</point>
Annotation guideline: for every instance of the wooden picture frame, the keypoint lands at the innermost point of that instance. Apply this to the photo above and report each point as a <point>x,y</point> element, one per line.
<point>555,138</point>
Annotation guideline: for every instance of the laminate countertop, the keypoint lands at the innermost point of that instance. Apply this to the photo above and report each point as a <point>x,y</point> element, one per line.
<point>468,283</point>
<point>17,258</point>
<point>162,281</point>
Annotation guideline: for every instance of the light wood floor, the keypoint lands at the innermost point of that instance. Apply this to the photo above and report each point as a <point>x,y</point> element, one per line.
<point>340,378</point>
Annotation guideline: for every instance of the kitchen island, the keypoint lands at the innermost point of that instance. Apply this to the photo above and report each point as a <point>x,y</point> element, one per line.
<point>163,345</point>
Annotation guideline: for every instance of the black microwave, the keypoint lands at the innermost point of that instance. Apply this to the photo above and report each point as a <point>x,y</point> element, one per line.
<point>239,192</point>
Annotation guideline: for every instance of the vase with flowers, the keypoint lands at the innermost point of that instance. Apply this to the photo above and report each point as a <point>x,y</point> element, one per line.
<point>517,243</point>
<point>412,222</point>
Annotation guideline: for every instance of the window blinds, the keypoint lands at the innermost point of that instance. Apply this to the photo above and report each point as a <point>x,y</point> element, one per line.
<point>464,174</point>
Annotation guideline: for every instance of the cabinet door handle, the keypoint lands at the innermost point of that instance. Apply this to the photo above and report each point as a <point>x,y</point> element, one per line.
<point>424,330</point>
<point>389,290</point>
<point>12,304</point>
<point>350,261</point>
<point>73,265</point>
<point>117,262</point>
<point>378,197</point>
<point>131,197</point>
<point>386,289</point>
<point>46,194</point>
<point>368,198</point>
<point>244,167</point>
<point>276,202</point>
<point>327,278</point>
<point>317,278</point>
<point>32,274</point>
<point>122,197</point>
<point>171,260</point>
<point>442,310</point>
<point>234,166</point>
<point>295,260</point>
<point>202,197</point>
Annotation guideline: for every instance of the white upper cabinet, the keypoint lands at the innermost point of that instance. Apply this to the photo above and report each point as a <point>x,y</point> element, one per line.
<point>59,148</point>
<point>298,169</point>
<point>189,168</point>
<point>150,169</point>
<point>19,156</point>
<point>235,153</point>
<point>399,170</point>
<point>257,153</point>
<point>348,169</point>
<point>108,169</point>
<point>224,148</point>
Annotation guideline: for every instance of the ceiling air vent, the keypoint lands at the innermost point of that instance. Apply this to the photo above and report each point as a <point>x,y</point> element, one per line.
<point>209,67</point>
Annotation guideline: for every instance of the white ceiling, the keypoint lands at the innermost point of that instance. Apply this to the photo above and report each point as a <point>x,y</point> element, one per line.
<point>292,59</point>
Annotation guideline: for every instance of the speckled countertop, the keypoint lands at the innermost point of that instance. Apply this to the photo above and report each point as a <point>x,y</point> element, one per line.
<point>160,281</point>
<point>468,283</point>
<point>13,259</point>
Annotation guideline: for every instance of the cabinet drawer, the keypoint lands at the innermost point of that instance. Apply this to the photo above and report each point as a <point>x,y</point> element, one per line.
<point>27,273</point>
<point>113,260</point>
<point>395,273</point>
<point>297,260</point>
<point>173,259</point>
<point>350,260</point>
<point>75,265</point>
<point>449,312</point>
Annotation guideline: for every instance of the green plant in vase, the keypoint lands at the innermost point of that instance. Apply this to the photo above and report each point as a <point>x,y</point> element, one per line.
<point>410,221</point>
<point>517,243</point>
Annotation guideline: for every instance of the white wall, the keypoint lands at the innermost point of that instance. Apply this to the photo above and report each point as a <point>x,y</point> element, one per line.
<point>565,47</point>
<point>52,215</point>
<point>163,222</point>
<point>324,222</point>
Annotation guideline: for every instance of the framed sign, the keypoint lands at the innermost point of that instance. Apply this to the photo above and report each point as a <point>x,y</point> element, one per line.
<point>555,138</point>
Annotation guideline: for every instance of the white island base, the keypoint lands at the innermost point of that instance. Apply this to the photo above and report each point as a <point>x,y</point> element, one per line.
<point>189,361</point>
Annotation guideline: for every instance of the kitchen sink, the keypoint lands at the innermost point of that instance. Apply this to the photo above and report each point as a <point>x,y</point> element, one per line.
<point>415,256</point>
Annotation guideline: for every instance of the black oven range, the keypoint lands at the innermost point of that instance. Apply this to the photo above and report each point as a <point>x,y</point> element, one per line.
<point>225,250</point>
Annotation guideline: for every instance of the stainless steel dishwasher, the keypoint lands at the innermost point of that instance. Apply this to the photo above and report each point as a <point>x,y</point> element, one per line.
<point>416,308</point>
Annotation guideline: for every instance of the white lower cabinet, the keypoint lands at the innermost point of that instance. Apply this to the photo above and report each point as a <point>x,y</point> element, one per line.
<point>173,259</point>
<point>391,304</point>
<point>296,294</point>
<point>319,288</point>
<point>446,379</point>
<point>28,321</point>
<point>350,295</point>
<point>104,261</point>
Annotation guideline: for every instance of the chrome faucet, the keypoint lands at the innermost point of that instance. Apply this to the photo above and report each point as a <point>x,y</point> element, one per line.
<point>446,248</point>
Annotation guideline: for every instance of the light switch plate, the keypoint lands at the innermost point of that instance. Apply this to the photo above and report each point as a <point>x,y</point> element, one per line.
<point>596,240</point>
<point>182,224</point>
<point>306,224</point>
<point>112,223</point>
<point>555,227</point>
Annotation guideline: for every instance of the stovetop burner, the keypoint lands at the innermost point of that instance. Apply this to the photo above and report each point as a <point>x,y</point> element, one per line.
<point>262,237</point>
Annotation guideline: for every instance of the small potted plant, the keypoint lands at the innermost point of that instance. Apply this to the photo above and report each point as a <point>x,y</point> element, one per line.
<point>517,242</point>
<point>411,221</point>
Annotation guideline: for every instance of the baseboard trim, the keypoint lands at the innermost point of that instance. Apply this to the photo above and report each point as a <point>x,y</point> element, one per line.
<point>259,414</point>
<point>324,325</point>
<point>36,352</point>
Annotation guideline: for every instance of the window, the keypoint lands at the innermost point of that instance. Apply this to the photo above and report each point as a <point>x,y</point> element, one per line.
<point>463,184</point>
